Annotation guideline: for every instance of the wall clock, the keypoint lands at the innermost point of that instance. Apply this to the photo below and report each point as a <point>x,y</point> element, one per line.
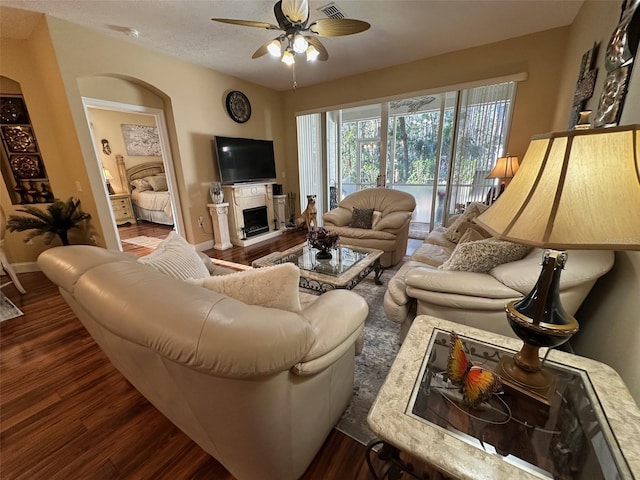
<point>238,106</point>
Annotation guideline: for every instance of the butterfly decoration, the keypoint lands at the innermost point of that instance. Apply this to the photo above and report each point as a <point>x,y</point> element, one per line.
<point>476,383</point>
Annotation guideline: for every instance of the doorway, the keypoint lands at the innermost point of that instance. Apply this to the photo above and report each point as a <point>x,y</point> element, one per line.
<point>105,120</point>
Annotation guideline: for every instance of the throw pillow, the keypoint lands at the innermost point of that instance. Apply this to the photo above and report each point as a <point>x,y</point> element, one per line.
<point>362,218</point>
<point>177,258</point>
<point>273,287</point>
<point>141,185</point>
<point>483,255</point>
<point>473,233</point>
<point>456,230</point>
<point>158,183</point>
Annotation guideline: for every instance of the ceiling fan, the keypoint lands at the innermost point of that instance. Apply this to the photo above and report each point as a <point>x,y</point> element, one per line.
<point>299,35</point>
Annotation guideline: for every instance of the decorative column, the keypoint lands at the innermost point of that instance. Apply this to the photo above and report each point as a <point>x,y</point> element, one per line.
<point>219,212</point>
<point>279,204</point>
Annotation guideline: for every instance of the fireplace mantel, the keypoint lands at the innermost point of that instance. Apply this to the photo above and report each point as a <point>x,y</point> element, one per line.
<point>244,196</point>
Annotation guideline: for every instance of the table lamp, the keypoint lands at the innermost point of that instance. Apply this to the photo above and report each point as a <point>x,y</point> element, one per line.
<point>574,190</point>
<point>107,176</point>
<point>504,169</point>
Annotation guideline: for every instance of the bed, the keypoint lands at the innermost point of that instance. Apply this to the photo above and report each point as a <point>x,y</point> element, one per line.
<point>150,196</point>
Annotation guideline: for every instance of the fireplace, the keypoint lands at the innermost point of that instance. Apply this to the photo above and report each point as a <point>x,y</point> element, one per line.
<point>255,221</point>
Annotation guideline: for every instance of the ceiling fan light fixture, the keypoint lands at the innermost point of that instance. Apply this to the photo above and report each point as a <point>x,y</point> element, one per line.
<point>287,58</point>
<point>312,53</point>
<point>300,43</point>
<point>275,48</point>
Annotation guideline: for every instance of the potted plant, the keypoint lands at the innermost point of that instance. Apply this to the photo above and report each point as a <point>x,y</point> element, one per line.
<point>57,219</point>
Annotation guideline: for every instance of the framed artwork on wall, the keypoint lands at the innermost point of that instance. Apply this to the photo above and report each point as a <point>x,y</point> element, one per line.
<point>141,140</point>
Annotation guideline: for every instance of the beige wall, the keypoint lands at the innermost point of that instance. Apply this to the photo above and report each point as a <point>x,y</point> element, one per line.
<point>609,318</point>
<point>31,63</point>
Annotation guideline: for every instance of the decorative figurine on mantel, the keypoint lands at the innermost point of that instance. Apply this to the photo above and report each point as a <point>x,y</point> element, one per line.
<point>324,241</point>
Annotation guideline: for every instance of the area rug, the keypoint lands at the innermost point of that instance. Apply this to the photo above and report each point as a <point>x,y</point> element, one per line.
<point>381,345</point>
<point>143,241</point>
<point>7,309</point>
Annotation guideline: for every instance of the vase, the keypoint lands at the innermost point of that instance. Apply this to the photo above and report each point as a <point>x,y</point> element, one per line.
<point>323,253</point>
<point>215,190</point>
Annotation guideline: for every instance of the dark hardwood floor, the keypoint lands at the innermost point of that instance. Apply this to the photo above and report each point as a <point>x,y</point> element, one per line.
<point>66,413</point>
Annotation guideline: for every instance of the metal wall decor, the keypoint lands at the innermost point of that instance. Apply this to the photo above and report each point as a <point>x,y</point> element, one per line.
<point>619,60</point>
<point>585,84</point>
<point>23,170</point>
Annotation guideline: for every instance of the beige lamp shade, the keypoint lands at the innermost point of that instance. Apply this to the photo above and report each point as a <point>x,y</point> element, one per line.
<point>506,167</point>
<point>574,190</point>
<point>107,174</point>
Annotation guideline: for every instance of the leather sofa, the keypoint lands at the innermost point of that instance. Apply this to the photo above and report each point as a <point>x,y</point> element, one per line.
<point>257,388</point>
<point>392,211</point>
<point>479,299</point>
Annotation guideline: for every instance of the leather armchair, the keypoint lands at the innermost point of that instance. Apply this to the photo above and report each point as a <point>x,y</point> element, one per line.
<point>257,388</point>
<point>390,230</point>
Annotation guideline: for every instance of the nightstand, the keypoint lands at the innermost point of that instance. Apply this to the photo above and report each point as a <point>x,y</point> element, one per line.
<point>122,208</point>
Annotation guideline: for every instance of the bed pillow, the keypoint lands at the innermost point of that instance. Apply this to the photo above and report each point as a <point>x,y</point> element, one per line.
<point>141,185</point>
<point>272,287</point>
<point>158,183</point>
<point>177,258</point>
<point>362,218</point>
<point>483,255</point>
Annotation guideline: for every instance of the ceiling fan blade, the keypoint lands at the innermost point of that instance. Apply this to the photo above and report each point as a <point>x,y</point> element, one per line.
<point>247,23</point>
<point>336,27</point>
<point>324,55</point>
<point>262,50</point>
<point>297,11</point>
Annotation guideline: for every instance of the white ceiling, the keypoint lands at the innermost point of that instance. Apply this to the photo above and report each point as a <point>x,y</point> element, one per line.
<point>401,30</point>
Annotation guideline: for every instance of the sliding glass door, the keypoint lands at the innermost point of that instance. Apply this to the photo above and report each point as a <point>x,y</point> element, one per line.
<point>437,147</point>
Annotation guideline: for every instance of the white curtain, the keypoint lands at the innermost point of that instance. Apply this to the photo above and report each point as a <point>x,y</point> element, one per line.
<point>310,161</point>
<point>481,130</point>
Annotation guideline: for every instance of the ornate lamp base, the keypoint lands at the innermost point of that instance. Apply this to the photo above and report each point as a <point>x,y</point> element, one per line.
<point>539,385</point>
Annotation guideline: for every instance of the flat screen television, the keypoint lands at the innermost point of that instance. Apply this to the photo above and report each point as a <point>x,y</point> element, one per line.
<point>243,160</point>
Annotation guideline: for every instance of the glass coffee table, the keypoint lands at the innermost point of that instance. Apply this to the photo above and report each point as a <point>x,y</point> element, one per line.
<point>590,431</point>
<point>345,269</point>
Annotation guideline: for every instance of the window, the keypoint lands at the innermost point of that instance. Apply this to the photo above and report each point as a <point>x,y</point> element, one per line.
<point>437,147</point>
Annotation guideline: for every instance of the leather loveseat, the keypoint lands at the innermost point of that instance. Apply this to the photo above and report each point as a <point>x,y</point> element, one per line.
<point>478,299</point>
<point>257,388</point>
<point>389,229</point>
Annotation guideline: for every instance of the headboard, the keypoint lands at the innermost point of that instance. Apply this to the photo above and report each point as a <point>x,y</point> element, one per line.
<point>140,171</point>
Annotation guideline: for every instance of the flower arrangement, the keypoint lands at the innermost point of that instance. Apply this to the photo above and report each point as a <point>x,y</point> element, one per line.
<point>322,240</point>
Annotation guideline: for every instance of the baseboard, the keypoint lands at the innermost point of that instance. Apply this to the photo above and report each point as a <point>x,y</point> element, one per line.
<point>25,267</point>
<point>208,245</point>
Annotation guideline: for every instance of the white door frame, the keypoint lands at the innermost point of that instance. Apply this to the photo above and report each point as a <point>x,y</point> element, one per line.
<point>167,159</point>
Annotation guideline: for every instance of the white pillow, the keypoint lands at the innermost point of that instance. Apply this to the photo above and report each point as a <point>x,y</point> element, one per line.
<point>273,287</point>
<point>177,258</point>
<point>141,185</point>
